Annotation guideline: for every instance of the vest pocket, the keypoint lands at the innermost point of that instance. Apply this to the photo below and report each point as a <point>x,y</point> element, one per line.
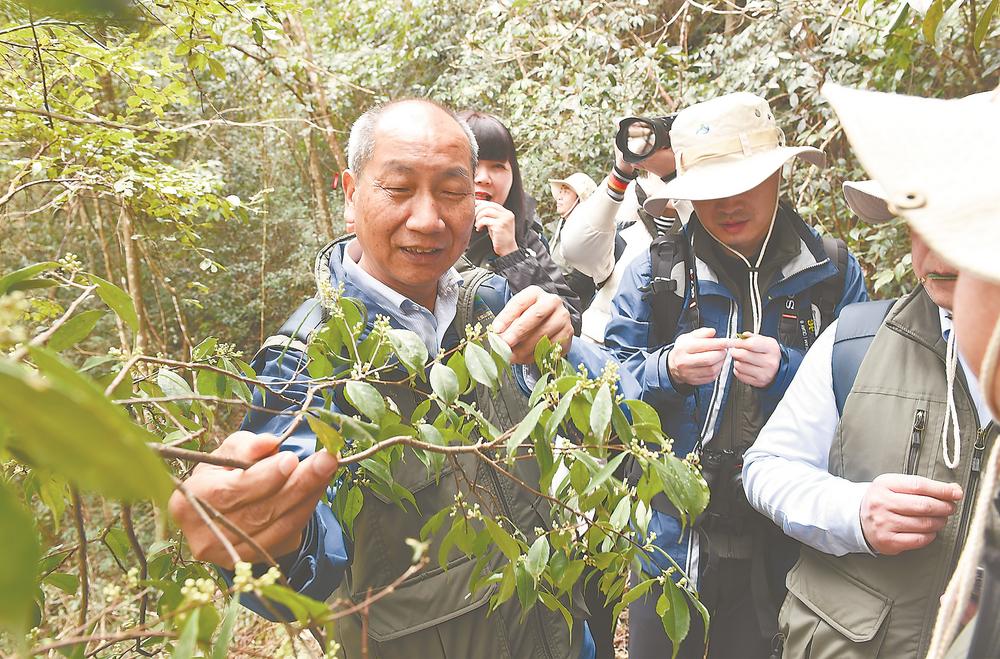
<point>829,613</point>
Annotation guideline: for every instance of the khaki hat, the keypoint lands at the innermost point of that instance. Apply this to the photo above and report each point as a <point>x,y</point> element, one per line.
<point>727,146</point>
<point>867,200</point>
<point>578,182</point>
<point>939,164</point>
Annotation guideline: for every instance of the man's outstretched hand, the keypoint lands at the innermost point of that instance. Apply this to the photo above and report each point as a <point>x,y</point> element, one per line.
<point>271,501</point>
<point>530,315</point>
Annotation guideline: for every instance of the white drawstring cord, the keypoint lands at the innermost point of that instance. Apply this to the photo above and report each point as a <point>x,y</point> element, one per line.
<point>950,411</point>
<point>959,589</point>
<point>756,300</point>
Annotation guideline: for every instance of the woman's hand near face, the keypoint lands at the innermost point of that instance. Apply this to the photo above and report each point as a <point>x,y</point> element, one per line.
<point>499,221</point>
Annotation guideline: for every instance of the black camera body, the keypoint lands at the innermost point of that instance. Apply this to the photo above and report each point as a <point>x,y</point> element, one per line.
<point>640,137</point>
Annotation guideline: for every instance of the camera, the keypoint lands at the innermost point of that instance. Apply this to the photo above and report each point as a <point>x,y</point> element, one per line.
<point>640,137</point>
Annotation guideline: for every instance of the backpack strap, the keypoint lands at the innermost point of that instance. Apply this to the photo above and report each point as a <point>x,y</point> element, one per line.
<point>831,290</point>
<point>667,304</point>
<point>468,312</point>
<point>856,329</point>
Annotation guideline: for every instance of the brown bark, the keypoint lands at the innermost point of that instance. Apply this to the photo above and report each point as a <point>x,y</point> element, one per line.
<point>133,275</point>
<point>320,111</point>
<point>324,219</point>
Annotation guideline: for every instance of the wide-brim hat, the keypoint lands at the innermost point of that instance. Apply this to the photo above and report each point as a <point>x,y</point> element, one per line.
<point>578,182</point>
<point>938,161</point>
<point>728,145</point>
<point>867,200</point>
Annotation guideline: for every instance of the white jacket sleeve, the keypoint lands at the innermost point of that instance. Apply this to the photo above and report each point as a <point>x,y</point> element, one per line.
<point>588,236</point>
<point>785,472</point>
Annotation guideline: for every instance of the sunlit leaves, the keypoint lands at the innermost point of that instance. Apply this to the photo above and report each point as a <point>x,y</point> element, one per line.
<point>19,553</point>
<point>64,422</point>
<point>118,300</point>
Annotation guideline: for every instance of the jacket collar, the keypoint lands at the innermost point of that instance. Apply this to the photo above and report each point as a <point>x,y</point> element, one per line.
<point>806,268</point>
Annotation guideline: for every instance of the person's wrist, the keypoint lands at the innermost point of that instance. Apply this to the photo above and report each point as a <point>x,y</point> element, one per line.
<point>504,247</point>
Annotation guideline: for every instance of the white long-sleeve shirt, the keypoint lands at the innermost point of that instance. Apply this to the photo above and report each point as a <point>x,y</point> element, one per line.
<point>786,471</point>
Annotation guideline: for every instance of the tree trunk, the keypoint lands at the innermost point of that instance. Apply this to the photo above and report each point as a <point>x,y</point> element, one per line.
<point>133,276</point>
<point>320,111</point>
<point>324,219</point>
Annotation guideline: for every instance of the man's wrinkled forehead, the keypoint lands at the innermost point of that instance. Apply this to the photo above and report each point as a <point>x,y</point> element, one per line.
<point>420,129</point>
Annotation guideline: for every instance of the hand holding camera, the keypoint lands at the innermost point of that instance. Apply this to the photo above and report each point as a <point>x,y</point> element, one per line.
<point>644,143</point>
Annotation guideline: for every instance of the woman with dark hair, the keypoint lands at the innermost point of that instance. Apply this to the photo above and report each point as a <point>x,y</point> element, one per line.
<point>504,240</point>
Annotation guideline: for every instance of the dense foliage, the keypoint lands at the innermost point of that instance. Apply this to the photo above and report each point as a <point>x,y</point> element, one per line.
<point>166,181</point>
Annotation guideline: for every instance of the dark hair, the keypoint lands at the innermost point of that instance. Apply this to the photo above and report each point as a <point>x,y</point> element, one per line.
<point>496,143</point>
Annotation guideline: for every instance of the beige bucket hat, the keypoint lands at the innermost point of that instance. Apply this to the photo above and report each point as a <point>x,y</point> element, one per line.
<point>578,182</point>
<point>939,164</point>
<point>726,146</point>
<point>867,200</point>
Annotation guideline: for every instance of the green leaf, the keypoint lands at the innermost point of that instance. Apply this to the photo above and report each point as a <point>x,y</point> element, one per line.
<point>19,555</point>
<point>632,594</point>
<point>602,476</point>
<point>210,383</point>
<point>525,586</point>
<point>366,399</point>
<point>173,384</point>
<point>676,617</point>
<point>352,508</point>
<point>600,412</point>
<point>329,437</point>
<point>117,541</point>
<point>188,641</point>
<point>499,346</point>
<point>555,605</point>
<point>643,412</point>
<point>481,366</point>
<point>118,300</point>
<point>620,516</point>
<point>682,484</point>
<point>74,330</point>
<point>538,557</point>
<point>68,583</point>
<point>524,429</point>
<point>552,425</point>
<point>985,20</point>
<point>303,608</point>
<point>7,281</point>
<point>507,544</point>
<point>65,424</point>
<point>932,18</point>
<point>409,348</point>
<point>205,348</point>
<point>220,650</point>
<point>444,382</point>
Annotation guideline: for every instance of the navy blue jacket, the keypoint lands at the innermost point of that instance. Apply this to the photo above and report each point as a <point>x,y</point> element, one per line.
<point>695,415</point>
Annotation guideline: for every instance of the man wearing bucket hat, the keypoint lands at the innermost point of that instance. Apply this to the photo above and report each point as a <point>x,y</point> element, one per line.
<point>714,320</point>
<point>886,383</point>
<point>611,228</point>
<point>950,196</point>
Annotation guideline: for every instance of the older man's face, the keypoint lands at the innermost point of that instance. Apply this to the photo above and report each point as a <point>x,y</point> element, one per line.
<point>413,204</point>
<point>742,221</point>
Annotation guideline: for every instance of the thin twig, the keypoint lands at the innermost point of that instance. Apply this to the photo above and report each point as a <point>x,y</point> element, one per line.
<point>82,552</point>
<point>120,636</point>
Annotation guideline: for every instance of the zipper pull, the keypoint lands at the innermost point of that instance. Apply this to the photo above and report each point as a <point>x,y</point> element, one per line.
<point>916,437</point>
<point>977,450</point>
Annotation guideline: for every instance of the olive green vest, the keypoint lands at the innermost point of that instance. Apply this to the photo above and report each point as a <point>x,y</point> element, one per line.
<point>430,614</point>
<point>884,606</point>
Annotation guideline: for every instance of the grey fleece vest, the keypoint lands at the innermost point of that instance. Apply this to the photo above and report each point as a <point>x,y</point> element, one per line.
<point>430,615</point>
<point>884,606</point>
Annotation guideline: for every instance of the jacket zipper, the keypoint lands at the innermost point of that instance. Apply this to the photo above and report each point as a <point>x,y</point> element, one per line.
<point>973,484</point>
<point>916,437</point>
